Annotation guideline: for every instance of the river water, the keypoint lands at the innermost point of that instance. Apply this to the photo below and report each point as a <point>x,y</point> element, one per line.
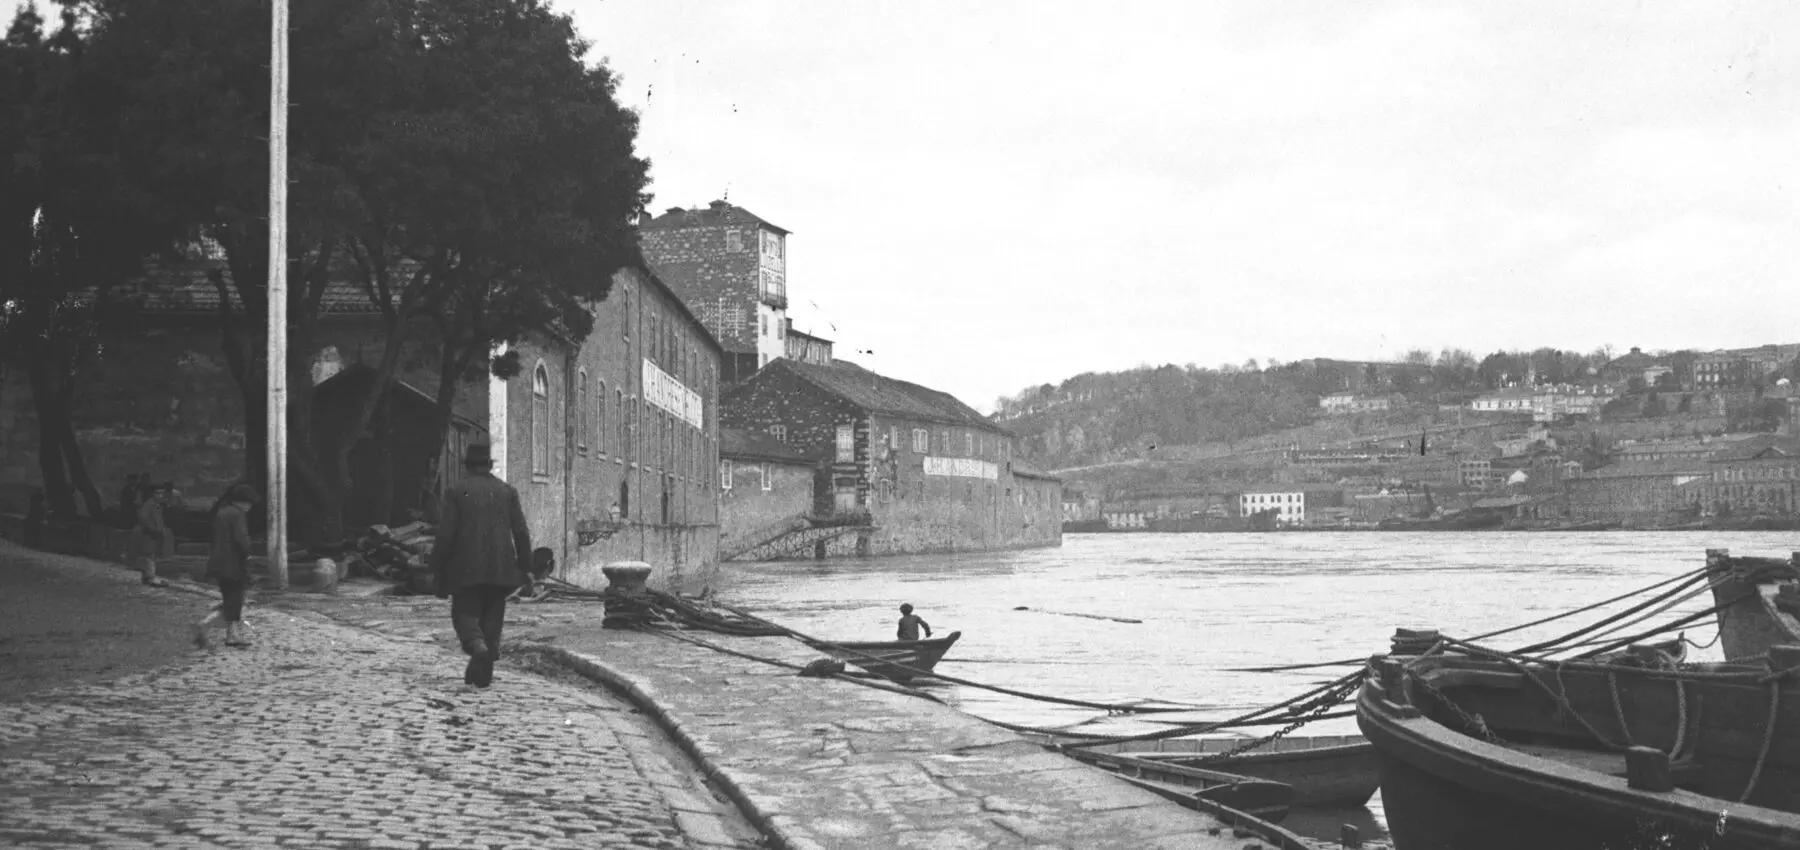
<point>1212,602</point>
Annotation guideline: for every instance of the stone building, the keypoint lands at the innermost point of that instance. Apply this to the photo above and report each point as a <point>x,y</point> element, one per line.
<point>614,443</point>
<point>730,266</point>
<point>1758,477</point>
<point>764,484</point>
<point>806,348</point>
<point>1290,506</point>
<point>1632,495</point>
<point>924,471</point>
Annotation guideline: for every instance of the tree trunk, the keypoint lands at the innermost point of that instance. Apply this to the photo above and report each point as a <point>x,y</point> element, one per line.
<point>453,363</point>
<point>383,508</point>
<point>58,495</point>
<point>78,474</point>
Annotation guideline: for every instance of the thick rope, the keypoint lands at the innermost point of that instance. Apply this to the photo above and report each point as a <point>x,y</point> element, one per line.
<point>1664,597</point>
<point>1612,684</point>
<point>1768,739</point>
<point>880,686</point>
<point>1681,719</point>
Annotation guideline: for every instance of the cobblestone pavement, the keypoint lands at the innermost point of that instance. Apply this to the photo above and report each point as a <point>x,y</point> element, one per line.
<point>831,765</point>
<point>320,735</point>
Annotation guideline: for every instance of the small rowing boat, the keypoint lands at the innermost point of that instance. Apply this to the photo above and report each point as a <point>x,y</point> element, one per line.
<point>1327,770</point>
<point>899,660</point>
<point>1259,798</point>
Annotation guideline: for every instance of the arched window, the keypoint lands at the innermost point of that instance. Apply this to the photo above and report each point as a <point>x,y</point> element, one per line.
<point>625,499</point>
<point>600,419</point>
<point>540,420</point>
<point>624,436</point>
<point>581,411</point>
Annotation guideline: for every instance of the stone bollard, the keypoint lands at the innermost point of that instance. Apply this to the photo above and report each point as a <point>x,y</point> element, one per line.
<point>325,576</point>
<point>1349,836</point>
<point>627,595</point>
<point>1647,769</point>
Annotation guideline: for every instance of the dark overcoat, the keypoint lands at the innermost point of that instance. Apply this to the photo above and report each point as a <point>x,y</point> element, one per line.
<point>482,537</point>
<point>230,558</point>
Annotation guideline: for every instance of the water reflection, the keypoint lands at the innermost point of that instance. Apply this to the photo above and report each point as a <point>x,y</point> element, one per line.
<point>1209,603</point>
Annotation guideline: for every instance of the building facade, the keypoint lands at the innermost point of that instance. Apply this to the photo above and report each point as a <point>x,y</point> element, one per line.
<point>613,444</point>
<point>1760,477</point>
<point>1289,506</point>
<point>763,486</point>
<point>927,472</point>
<point>805,347</point>
<point>1632,496</point>
<point>730,267</point>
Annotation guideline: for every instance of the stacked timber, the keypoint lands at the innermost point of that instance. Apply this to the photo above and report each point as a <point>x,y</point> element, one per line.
<point>400,554</point>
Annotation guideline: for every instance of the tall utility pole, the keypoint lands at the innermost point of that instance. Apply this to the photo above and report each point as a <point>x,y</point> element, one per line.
<point>278,321</point>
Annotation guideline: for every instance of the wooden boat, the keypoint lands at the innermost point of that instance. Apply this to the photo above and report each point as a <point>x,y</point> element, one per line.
<point>1328,771</point>
<point>1481,754</point>
<point>1259,798</point>
<point>1758,600</point>
<point>891,659</point>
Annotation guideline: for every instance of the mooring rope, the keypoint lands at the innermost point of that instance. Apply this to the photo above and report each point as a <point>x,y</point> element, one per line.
<point>1612,685</point>
<point>1768,739</point>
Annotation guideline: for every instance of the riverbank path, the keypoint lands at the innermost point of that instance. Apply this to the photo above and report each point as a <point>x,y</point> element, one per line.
<point>115,732</point>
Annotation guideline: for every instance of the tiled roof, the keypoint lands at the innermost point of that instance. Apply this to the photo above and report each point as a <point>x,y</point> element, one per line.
<point>718,213</point>
<point>744,443</point>
<point>880,394</point>
<point>186,286</point>
<point>1767,446</point>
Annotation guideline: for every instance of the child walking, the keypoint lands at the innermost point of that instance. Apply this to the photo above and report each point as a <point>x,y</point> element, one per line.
<point>147,537</point>
<point>229,565</point>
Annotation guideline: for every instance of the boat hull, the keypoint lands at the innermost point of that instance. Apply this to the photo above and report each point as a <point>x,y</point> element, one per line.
<point>1444,790</point>
<point>1345,775</point>
<point>1746,589</point>
<point>891,659</point>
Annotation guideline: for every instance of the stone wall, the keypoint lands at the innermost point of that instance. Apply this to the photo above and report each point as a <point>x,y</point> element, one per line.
<point>720,286</point>
<point>746,508</point>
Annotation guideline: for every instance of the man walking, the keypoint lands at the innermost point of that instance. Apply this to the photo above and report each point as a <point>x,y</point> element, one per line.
<point>481,556</point>
<point>229,565</point>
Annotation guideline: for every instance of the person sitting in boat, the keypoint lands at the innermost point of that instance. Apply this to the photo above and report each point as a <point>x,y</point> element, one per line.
<point>911,623</point>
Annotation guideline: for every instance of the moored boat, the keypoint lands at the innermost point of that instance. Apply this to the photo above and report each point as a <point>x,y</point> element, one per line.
<point>1331,771</point>
<point>1259,798</point>
<point>1484,751</point>
<point>899,660</point>
<point>1758,601</point>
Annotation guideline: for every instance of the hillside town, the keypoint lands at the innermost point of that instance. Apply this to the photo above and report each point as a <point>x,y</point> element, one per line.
<point>1641,441</point>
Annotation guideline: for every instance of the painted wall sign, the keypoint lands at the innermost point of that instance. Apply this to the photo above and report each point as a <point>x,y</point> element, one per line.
<point>663,391</point>
<point>962,467</point>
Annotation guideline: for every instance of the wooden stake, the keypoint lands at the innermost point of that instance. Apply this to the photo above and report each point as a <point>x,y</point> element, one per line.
<point>278,320</point>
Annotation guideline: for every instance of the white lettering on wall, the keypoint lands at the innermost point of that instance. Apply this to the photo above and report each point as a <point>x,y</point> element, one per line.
<point>961,467</point>
<point>662,390</point>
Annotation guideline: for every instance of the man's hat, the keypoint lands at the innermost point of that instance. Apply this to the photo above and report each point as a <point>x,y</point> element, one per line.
<point>480,455</point>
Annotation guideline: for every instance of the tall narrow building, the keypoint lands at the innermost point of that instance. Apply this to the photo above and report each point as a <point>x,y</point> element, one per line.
<point>730,267</point>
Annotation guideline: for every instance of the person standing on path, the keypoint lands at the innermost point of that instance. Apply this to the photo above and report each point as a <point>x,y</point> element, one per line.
<point>147,537</point>
<point>911,623</point>
<point>229,564</point>
<point>481,556</point>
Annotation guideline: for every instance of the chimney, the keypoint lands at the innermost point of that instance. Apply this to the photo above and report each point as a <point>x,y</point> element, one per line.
<point>718,205</point>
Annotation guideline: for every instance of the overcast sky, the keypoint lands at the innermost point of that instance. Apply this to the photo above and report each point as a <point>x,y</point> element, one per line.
<point>994,195</point>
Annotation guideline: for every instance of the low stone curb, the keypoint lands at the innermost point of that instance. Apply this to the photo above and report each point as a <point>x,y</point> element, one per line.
<point>631,689</point>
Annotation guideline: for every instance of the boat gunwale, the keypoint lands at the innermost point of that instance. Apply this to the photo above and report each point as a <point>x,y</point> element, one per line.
<point>1432,748</point>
